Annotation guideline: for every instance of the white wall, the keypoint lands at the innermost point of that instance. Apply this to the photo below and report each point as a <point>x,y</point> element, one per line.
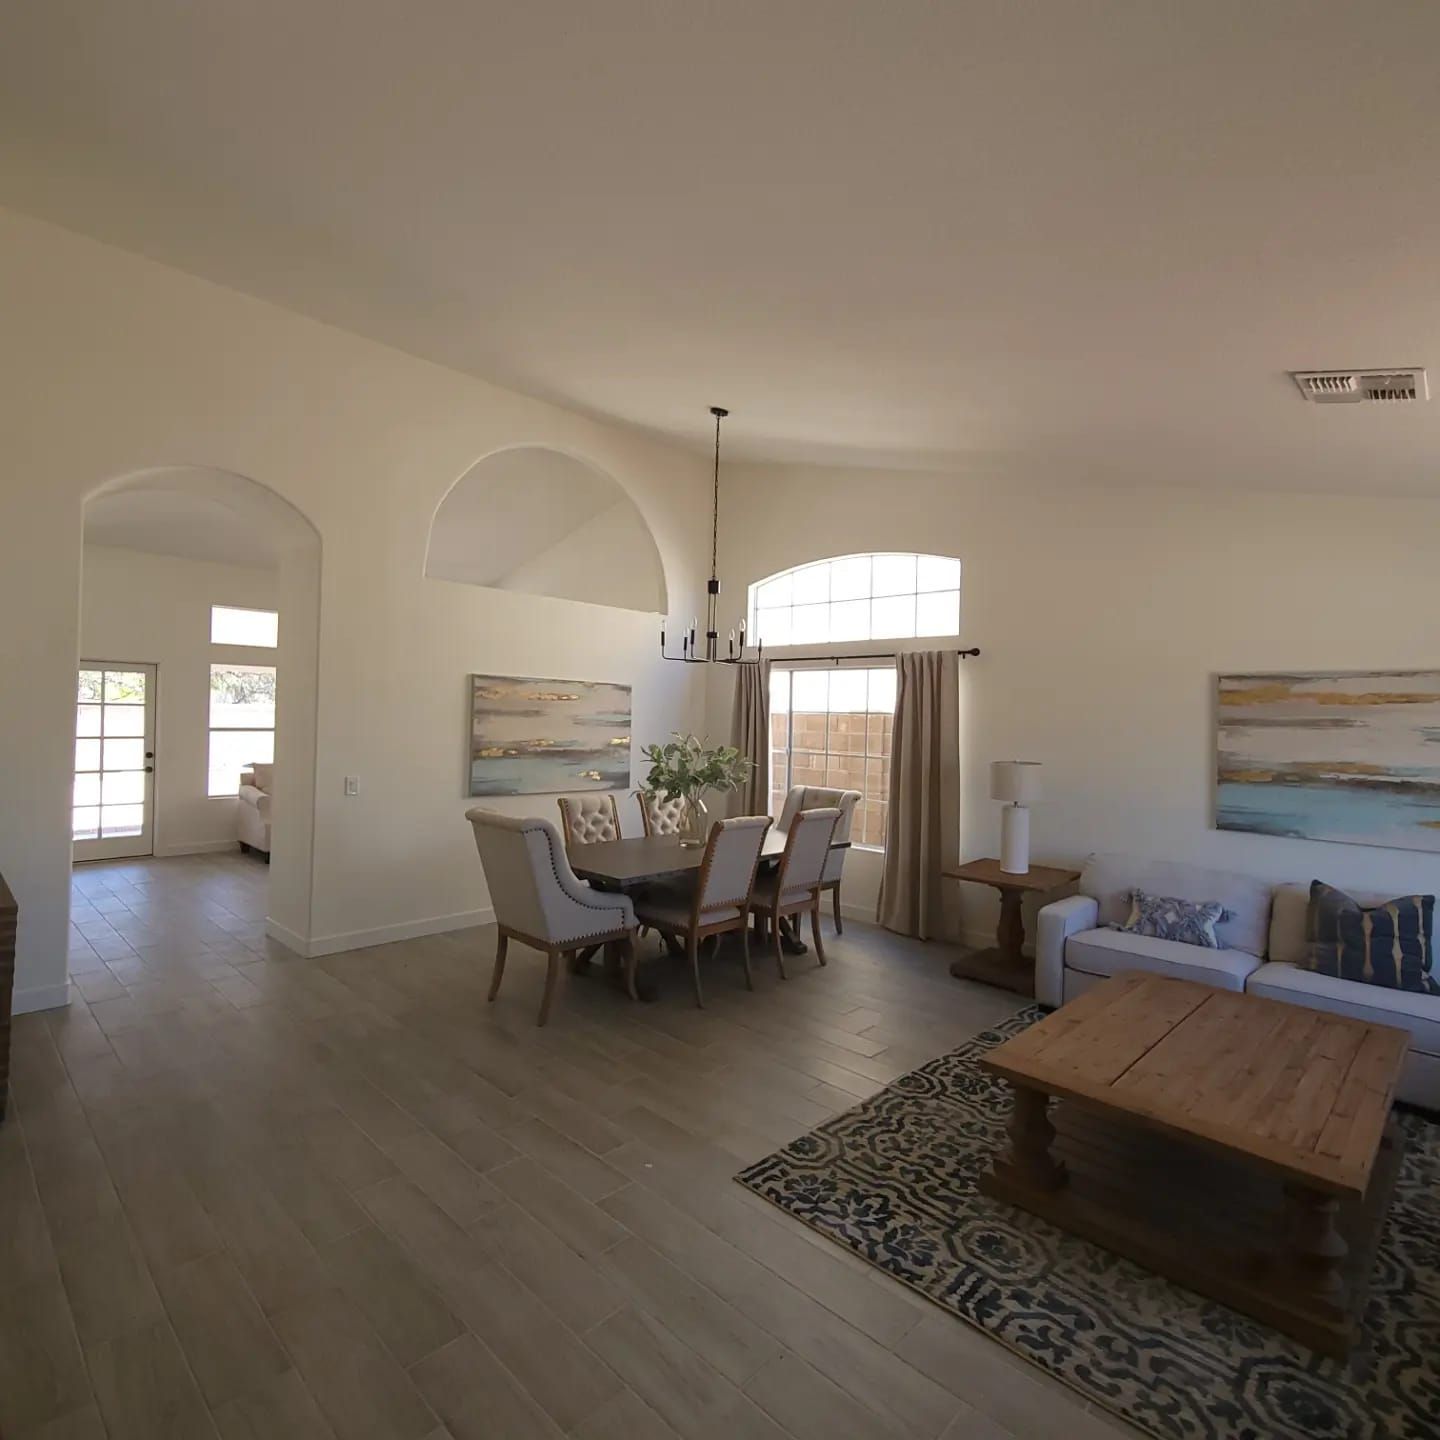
<point>1103,616</point>
<point>135,605</point>
<point>110,364</point>
<point>607,560</point>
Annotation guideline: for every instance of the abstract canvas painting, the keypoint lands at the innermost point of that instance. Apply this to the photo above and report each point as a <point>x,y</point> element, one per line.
<point>533,737</point>
<point>1352,756</point>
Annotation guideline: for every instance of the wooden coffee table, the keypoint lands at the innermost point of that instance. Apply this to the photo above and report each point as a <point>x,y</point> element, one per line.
<point>1241,1146</point>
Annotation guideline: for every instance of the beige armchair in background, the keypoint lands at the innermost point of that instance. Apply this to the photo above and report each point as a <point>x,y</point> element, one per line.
<point>252,813</point>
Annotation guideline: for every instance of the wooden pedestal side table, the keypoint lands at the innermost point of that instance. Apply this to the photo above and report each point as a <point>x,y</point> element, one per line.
<point>1005,965</point>
<point>9,915</point>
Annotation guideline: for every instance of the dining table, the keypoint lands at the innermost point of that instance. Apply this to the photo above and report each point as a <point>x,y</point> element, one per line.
<point>629,865</point>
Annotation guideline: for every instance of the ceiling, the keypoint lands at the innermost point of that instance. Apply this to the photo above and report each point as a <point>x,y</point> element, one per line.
<point>1066,239</point>
<point>171,522</point>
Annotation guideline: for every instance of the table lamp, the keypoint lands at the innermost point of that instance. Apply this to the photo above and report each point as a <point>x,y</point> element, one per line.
<point>1017,783</point>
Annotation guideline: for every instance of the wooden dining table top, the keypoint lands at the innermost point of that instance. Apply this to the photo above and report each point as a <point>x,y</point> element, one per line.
<point>619,864</point>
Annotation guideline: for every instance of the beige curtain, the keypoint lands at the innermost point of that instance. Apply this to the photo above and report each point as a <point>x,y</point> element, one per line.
<point>922,834</point>
<point>750,735</point>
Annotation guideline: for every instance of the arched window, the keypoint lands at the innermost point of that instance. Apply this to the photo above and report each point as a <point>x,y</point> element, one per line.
<point>884,596</point>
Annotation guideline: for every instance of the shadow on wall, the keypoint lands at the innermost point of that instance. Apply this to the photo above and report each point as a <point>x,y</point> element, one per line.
<point>537,521</point>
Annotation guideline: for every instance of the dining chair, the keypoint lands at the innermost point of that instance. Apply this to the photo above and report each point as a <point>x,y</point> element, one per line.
<point>793,888</point>
<point>584,819</point>
<point>541,902</point>
<point>720,901</point>
<point>660,816</point>
<point>813,797</point>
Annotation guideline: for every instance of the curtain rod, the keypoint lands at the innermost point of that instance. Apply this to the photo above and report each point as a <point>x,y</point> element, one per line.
<point>871,655</point>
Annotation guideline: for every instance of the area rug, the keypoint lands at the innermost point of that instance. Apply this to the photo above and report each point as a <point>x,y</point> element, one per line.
<point>894,1180</point>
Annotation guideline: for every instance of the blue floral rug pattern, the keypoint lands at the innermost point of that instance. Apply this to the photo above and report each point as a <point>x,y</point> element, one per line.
<point>894,1180</point>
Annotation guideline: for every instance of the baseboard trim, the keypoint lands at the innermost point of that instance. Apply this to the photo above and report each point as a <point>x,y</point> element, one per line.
<point>40,997</point>
<point>196,847</point>
<point>381,935</point>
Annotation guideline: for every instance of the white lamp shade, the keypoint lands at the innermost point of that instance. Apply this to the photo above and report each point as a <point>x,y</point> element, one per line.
<point>1017,782</point>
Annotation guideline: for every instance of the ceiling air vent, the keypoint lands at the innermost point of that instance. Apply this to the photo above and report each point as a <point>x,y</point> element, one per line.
<point>1358,387</point>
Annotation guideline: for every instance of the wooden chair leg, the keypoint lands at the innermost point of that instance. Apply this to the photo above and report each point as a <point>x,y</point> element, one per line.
<point>692,948</point>
<point>502,944</point>
<point>630,959</point>
<point>775,938</point>
<point>552,974</point>
<point>745,952</point>
<point>815,929</point>
<point>835,895</point>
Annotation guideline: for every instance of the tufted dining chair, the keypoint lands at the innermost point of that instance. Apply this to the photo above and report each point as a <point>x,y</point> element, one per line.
<point>720,901</point>
<point>813,797</point>
<point>541,902</point>
<point>794,887</point>
<point>660,816</point>
<point>584,819</point>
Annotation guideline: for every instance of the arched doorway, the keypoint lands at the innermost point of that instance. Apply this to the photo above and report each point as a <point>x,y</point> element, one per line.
<point>218,518</point>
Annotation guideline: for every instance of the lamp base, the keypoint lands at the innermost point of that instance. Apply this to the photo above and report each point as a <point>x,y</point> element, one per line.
<point>1015,840</point>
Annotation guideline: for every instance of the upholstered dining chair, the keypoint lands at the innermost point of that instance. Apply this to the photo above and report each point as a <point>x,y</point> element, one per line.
<point>793,888</point>
<point>541,902</point>
<point>720,901</point>
<point>813,797</point>
<point>584,819</point>
<point>660,816</point>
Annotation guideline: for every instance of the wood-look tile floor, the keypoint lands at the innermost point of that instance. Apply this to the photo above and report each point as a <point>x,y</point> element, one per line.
<point>249,1195</point>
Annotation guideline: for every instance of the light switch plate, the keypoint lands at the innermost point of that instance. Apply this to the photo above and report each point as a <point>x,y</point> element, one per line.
<point>352,784</point>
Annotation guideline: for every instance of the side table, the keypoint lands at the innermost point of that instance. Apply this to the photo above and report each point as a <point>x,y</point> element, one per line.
<point>1005,965</point>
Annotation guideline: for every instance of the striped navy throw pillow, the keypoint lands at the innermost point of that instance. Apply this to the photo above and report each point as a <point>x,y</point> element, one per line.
<point>1385,944</point>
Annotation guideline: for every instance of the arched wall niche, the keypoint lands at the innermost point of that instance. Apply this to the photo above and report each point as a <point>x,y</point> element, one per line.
<point>541,521</point>
<point>291,543</point>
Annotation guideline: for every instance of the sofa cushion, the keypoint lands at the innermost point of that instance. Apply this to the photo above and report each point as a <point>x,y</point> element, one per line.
<point>1167,917</point>
<point>1110,878</point>
<point>263,773</point>
<point>1111,952</point>
<point>1419,1014</point>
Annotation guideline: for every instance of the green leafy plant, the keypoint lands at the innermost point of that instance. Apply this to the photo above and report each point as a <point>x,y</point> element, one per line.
<point>684,767</point>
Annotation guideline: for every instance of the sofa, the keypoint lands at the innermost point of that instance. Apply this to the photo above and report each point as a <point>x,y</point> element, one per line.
<point>252,813</point>
<point>1262,946</point>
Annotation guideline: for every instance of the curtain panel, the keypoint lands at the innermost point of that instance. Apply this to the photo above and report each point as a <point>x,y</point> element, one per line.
<point>922,835</point>
<point>750,735</point>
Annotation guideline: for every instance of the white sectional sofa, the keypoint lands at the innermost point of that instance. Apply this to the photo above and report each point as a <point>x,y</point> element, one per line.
<point>1263,943</point>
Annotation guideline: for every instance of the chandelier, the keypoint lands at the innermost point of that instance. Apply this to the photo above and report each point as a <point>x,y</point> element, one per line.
<point>690,650</point>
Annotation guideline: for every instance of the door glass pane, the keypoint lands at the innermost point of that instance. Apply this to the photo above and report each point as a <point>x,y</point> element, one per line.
<point>231,751</point>
<point>124,719</point>
<point>121,820</point>
<point>124,754</point>
<point>87,754</point>
<point>87,790</point>
<point>242,697</point>
<point>882,690</point>
<point>90,686</point>
<point>123,787</point>
<point>85,822</point>
<point>125,685</point>
<point>809,690</point>
<point>87,719</point>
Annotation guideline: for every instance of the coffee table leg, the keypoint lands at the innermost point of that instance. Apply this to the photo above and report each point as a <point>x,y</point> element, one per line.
<point>1312,1246</point>
<point>1028,1162</point>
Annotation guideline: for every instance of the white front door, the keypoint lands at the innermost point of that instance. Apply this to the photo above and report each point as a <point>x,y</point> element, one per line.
<point>114,811</point>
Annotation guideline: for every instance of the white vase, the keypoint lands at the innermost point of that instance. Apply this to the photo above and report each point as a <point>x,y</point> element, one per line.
<point>694,823</point>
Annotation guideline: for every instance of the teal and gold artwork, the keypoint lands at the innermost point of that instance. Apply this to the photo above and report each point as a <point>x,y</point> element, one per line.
<point>534,737</point>
<point>1350,756</point>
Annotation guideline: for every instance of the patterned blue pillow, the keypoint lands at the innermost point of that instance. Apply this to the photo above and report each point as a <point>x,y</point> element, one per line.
<point>1165,917</point>
<point>1385,944</point>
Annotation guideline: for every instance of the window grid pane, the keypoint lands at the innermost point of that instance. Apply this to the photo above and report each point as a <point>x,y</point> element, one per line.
<point>230,625</point>
<point>858,597</point>
<point>833,728</point>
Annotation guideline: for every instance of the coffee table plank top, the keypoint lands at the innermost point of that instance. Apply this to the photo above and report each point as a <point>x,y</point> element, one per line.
<point>1299,1091</point>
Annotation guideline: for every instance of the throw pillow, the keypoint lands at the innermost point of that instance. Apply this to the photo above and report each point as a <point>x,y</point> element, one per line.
<point>1385,944</point>
<point>1166,917</point>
